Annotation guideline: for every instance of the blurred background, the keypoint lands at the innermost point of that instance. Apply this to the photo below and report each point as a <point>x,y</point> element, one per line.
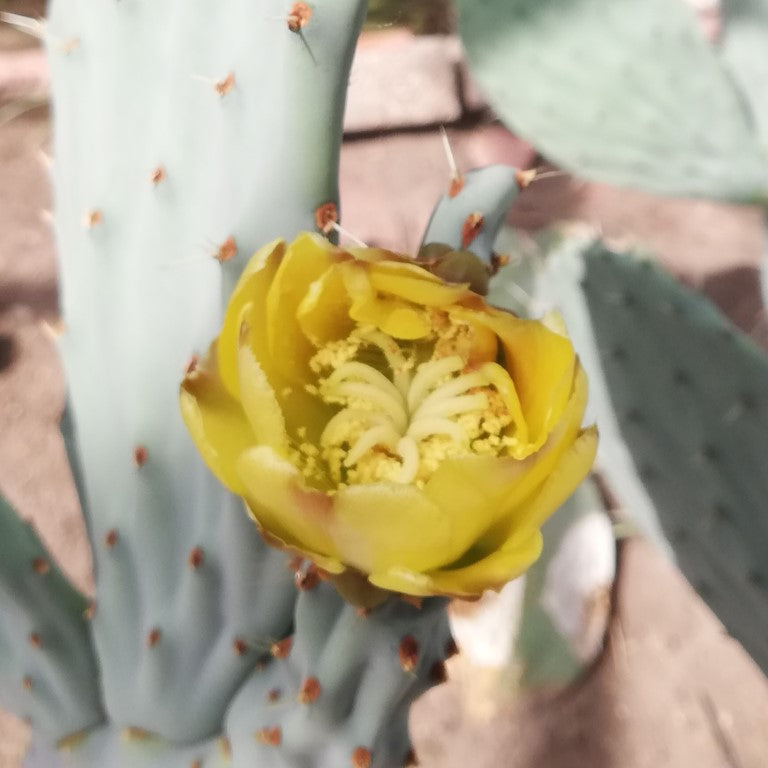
<point>671,688</point>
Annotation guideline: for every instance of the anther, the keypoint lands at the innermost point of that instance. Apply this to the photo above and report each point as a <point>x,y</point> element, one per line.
<point>409,653</point>
<point>195,558</point>
<point>271,737</point>
<point>140,455</point>
<point>282,648</point>
<point>110,538</point>
<point>153,638</point>
<point>227,250</point>
<point>310,690</point>
<point>361,758</point>
<point>471,228</point>
<point>41,566</point>
<point>299,16</point>
<point>326,215</point>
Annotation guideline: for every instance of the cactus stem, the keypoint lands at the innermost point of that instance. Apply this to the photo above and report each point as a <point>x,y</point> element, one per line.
<point>361,758</point>
<point>41,566</point>
<point>90,610</point>
<point>196,558</point>
<point>310,690</point>
<point>282,648</point>
<point>196,764</point>
<point>153,638</point>
<point>274,695</point>
<point>35,640</point>
<point>409,653</point>
<point>158,175</point>
<point>299,16</point>
<point>227,250</point>
<point>240,647</point>
<point>471,228</point>
<point>27,683</point>
<point>271,737</point>
<point>110,538</point>
<point>92,218</point>
<point>326,215</point>
<point>140,456</point>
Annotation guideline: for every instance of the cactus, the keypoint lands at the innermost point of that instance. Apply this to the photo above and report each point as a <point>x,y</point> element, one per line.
<point>185,137</point>
<point>628,93</point>
<point>679,396</point>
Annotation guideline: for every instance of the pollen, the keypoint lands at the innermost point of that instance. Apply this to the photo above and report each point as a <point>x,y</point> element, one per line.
<point>400,409</point>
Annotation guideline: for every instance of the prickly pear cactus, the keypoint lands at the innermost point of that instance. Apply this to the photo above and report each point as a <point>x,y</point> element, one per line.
<point>627,92</point>
<point>679,397</point>
<point>185,137</point>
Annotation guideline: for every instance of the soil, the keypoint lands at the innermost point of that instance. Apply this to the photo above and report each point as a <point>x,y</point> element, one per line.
<point>671,691</point>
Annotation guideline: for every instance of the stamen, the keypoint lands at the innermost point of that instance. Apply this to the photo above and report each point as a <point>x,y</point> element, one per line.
<point>409,452</point>
<point>373,395</point>
<point>456,386</point>
<point>338,426</point>
<point>454,406</point>
<point>385,434</point>
<point>426,427</point>
<point>366,373</point>
<point>427,377</point>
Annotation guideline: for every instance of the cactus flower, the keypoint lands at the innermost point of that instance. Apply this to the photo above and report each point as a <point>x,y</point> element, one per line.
<point>386,424</point>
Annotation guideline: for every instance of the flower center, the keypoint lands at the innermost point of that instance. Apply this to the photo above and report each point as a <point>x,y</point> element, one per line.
<point>404,408</point>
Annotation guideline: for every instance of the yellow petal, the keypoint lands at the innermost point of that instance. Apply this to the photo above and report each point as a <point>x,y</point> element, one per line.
<point>403,284</point>
<point>216,422</point>
<point>285,507</point>
<point>492,572</point>
<point>324,311</point>
<point>541,363</point>
<point>258,399</point>
<point>251,289</point>
<point>381,525</point>
<point>393,316</point>
<point>306,259</point>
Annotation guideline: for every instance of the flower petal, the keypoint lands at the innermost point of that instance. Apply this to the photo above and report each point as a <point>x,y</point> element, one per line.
<point>402,283</point>
<point>308,257</point>
<point>324,311</point>
<point>215,421</point>
<point>380,525</point>
<point>286,508</point>
<point>252,288</point>
<point>393,316</point>
<point>541,363</point>
<point>258,398</point>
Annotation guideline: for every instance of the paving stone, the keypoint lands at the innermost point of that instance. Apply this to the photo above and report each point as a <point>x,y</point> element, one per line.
<point>402,81</point>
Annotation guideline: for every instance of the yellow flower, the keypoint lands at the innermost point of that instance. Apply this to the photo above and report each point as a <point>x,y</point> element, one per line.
<point>386,424</point>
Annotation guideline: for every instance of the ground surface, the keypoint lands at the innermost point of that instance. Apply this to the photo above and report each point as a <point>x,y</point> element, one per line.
<point>672,691</point>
